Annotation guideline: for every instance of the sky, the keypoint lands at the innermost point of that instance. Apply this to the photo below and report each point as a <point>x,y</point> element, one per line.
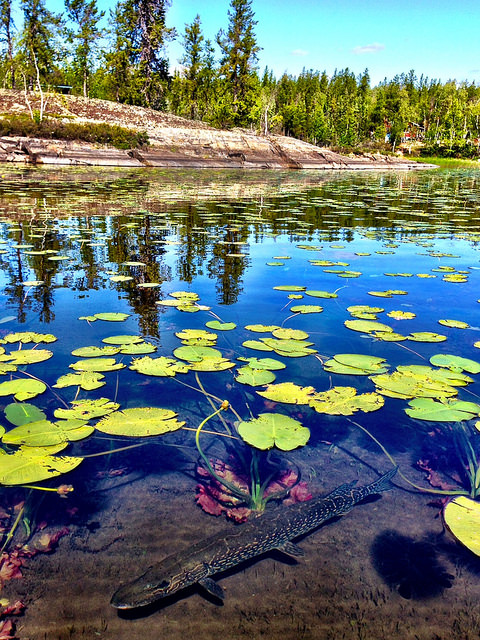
<point>437,38</point>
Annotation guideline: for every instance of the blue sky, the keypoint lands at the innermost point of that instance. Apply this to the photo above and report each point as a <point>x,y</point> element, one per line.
<point>438,38</point>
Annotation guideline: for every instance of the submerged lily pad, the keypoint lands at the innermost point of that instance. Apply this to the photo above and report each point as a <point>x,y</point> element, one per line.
<point>274,429</point>
<point>140,422</point>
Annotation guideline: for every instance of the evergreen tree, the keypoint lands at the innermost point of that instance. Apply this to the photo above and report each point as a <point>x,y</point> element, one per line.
<point>6,40</point>
<point>239,57</point>
<point>85,16</point>
<point>193,61</point>
<point>40,46</point>
<point>137,63</point>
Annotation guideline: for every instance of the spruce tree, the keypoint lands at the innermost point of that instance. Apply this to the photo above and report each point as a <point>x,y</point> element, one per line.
<point>239,58</point>
<point>6,39</point>
<point>85,16</point>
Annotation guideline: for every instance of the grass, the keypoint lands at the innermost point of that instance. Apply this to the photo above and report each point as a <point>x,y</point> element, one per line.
<point>54,129</point>
<point>448,163</point>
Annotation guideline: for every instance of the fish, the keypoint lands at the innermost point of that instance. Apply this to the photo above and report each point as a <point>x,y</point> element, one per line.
<point>273,530</point>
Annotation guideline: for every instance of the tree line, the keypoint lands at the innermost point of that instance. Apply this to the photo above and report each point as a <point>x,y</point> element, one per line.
<point>219,81</point>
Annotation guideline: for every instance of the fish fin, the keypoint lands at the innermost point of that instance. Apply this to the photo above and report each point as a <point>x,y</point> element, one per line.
<point>341,490</point>
<point>212,587</point>
<point>291,549</point>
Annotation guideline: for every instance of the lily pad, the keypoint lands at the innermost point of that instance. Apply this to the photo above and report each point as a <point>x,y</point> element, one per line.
<point>254,377</point>
<point>269,364</point>
<point>426,336</point>
<point>33,465</point>
<point>290,334</point>
<point>29,356</point>
<point>45,433</point>
<point>442,411</point>
<point>216,325</point>
<point>162,366</point>
<point>112,317</point>
<point>97,365</point>
<point>122,340</point>
<point>274,429</point>
<point>87,409</point>
<point>19,413</point>
<point>95,352</point>
<point>196,354</point>
<point>366,326</point>
<point>462,518</point>
<point>306,308</point>
<point>355,364</point>
<point>23,388</point>
<point>86,380</point>
<point>288,392</point>
<point>456,324</point>
<point>455,363</point>
<point>344,401</point>
<point>140,422</point>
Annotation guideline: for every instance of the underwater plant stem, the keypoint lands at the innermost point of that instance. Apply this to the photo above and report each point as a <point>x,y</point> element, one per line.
<point>231,487</point>
<point>13,528</point>
<point>453,492</point>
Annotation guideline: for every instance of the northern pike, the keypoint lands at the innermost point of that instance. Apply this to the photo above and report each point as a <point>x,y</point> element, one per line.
<point>272,530</point>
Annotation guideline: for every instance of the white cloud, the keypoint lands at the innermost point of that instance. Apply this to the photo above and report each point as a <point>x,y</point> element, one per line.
<point>299,52</point>
<point>375,47</point>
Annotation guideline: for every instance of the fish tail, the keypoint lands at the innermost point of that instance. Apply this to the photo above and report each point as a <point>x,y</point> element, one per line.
<point>383,483</point>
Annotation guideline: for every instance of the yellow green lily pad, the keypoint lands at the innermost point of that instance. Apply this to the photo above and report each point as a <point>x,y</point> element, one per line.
<point>462,518</point>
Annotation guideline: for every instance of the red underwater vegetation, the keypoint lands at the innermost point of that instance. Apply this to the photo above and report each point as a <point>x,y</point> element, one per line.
<point>214,498</point>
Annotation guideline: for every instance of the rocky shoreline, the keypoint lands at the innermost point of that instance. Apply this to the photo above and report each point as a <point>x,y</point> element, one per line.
<point>174,142</point>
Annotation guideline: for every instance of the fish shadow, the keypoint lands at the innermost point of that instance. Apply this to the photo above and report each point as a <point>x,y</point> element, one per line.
<point>410,567</point>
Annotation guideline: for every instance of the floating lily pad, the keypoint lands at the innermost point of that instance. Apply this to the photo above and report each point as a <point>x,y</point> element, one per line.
<point>29,356</point>
<point>254,377</point>
<point>292,288</point>
<point>140,422</point>
<point>455,363</point>
<point>112,317</point>
<point>137,349</point>
<point>87,409</point>
<point>256,344</point>
<point>367,326</point>
<point>216,325</point>
<point>45,433</point>
<point>86,380</point>
<point>95,352</point>
<point>33,465</point>
<point>29,336</point>
<point>355,364</point>
<point>262,328</point>
<point>162,366</point>
<point>97,365</point>
<point>274,429</point>
<point>306,308</point>
<point>290,334</point>
<point>401,315</point>
<point>19,413</point>
<point>442,411</point>
<point>320,294</point>
<point>456,324</point>
<point>462,518</point>
<point>426,336</point>
<point>344,401</point>
<point>212,364</point>
<point>122,340</point>
<point>196,354</point>
<point>288,392</point>
<point>269,364</point>
<point>23,388</point>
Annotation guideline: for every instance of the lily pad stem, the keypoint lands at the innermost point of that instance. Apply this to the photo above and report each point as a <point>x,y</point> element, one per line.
<point>453,492</point>
<point>231,487</point>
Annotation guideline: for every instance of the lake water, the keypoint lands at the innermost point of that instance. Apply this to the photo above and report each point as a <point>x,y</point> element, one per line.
<point>300,273</point>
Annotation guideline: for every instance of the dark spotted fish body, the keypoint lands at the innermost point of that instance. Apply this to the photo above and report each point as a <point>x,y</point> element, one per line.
<point>273,530</point>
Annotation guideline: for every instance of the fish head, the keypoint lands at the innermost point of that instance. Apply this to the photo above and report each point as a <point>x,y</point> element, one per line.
<point>164,579</point>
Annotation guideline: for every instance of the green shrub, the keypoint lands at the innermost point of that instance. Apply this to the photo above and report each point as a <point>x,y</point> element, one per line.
<point>454,150</point>
<point>51,128</point>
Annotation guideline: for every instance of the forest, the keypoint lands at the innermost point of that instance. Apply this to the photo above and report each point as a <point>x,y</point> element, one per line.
<point>219,81</point>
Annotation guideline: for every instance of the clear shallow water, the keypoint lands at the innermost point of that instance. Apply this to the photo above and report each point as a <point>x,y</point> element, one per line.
<point>230,239</point>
